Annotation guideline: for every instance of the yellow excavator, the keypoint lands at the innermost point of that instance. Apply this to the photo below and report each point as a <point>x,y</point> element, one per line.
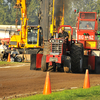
<point>29,37</point>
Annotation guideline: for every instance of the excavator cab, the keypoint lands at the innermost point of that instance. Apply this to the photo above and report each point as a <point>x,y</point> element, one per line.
<point>34,36</point>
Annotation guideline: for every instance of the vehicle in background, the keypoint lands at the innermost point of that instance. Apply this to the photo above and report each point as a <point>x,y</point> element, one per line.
<point>88,50</point>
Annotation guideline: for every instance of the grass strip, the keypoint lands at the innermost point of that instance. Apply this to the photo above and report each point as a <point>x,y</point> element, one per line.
<point>7,63</point>
<point>92,93</point>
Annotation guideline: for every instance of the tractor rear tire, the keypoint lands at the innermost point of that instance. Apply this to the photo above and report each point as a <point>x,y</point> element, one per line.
<point>77,56</point>
<point>52,68</point>
<point>44,65</point>
<point>67,64</point>
<point>59,67</point>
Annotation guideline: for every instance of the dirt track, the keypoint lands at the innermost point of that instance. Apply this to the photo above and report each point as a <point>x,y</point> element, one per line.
<point>21,80</point>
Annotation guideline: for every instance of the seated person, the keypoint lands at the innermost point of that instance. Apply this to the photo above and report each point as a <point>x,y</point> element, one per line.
<point>88,26</point>
<point>62,34</point>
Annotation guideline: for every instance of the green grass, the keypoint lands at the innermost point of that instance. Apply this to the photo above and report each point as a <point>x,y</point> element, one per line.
<point>92,93</point>
<point>7,63</point>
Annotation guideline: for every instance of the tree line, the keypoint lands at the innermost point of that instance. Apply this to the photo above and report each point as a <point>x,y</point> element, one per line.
<point>8,14</point>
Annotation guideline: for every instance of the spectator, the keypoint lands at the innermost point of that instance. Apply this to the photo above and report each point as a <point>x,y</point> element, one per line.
<point>3,48</point>
<point>7,45</point>
<point>0,42</point>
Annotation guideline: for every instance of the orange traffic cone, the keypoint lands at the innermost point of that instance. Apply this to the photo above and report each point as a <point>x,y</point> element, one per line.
<point>8,60</point>
<point>47,86</point>
<point>86,80</point>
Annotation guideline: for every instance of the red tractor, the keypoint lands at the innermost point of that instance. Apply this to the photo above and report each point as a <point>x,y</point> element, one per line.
<point>86,46</point>
<point>59,56</point>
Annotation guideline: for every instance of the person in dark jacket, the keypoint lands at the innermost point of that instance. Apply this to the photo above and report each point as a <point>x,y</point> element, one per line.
<point>62,34</point>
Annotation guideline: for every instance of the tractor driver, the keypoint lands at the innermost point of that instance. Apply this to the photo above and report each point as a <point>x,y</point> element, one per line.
<point>88,26</point>
<point>62,34</point>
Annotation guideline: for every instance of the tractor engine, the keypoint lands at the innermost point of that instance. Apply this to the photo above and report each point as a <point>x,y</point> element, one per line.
<point>58,46</point>
<point>58,50</point>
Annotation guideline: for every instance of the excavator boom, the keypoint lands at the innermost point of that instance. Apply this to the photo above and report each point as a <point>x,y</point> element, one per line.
<point>21,4</point>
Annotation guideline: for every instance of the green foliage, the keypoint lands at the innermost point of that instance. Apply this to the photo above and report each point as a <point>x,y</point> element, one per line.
<point>32,12</point>
<point>81,5</point>
<point>98,8</point>
<point>8,13</point>
<point>13,13</point>
<point>4,12</point>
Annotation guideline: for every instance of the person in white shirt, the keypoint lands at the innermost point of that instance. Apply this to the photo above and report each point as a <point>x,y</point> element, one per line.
<point>3,48</point>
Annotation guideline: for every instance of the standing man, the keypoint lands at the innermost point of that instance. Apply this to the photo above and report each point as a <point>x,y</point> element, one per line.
<point>2,46</point>
<point>2,49</point>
